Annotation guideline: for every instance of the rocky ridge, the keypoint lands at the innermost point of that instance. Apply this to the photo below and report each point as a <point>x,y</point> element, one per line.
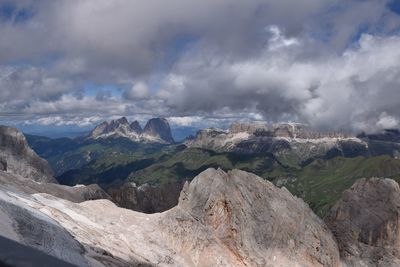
<point>157,130</point>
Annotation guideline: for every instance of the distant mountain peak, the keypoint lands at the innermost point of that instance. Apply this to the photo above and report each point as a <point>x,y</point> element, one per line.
<point>157,130</point>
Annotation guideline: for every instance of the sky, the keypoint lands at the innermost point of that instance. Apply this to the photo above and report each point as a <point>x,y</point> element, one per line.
<point>70,64</point>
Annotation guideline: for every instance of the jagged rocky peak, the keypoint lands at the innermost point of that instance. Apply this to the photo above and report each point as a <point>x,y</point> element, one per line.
<point>159,128</point>
<point>257,223</point>
<point>120,126</point>
<point>366,223</point>
<point>17,157</point>
<point>156,130</point>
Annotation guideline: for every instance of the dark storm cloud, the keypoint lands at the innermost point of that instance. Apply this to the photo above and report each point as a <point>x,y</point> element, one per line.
<point>283,60</point>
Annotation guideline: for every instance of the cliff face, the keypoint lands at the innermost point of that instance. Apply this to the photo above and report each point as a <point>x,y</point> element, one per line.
<point>18,158</point>
<point>366,223</point>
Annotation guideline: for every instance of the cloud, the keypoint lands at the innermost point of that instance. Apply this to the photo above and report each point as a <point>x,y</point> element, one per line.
<point>350,91</point>
<point>387,122</point>
<point>327,63</point>
<point>185,121</point>
<point>137,92</point>
<point>65,121</point>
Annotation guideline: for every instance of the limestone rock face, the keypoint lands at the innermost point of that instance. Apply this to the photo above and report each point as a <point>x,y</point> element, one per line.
<point>366,223</point>
<point>18,158</point>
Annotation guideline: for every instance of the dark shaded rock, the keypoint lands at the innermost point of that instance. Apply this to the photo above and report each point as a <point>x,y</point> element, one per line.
<point>18,255</point>
<point>146,198</point>
<point>366,223</point>
<point>135,126</point>
<point>159,128</point>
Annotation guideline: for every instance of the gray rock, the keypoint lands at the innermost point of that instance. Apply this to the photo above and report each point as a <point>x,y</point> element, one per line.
<point>18,158</point>
<point>366,223</point>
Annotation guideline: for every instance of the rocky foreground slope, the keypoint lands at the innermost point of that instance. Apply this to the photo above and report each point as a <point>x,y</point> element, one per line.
<point>222,219</point>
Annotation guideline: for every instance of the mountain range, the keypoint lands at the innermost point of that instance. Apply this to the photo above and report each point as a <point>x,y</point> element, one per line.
<point>157,130</point>
<point>232,218</point>
<point>148,176</point>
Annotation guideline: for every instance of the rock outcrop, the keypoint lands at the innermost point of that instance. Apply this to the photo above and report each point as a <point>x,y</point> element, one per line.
<point>366,223</point>
<point>18,158</point>
<point>157,130</point>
